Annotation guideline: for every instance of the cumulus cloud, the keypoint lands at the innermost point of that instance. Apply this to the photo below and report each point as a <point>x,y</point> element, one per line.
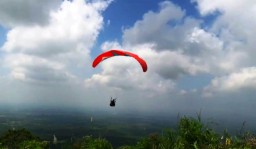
<point>234,25</point>
<point>202,43</point>
<point>31,68</point>
<point>26,12</point>
<point>123,73</point>
<point>46,61</point>
<point>212,52</point>
<point>177,46</point>
<point>172,65</point>
<point>185,37</point>
<point>234,28</point>
<point>62,34</point>
<point>174,46</point>
<point>233,82</point>
<point>168,31</point>
<point>167,55</point>
<point>207,7</point>
<point>55,52</point>
<point>109,45</point>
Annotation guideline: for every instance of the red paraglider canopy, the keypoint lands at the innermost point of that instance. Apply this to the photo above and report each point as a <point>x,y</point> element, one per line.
<point>112,53</point>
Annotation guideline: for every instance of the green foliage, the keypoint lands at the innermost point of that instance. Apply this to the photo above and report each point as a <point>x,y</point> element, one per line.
<point>33,144</point>
<point>194,135</point>
<point>90,143</point>
<point>190,134</point>
<point>13,138</point>
<point>126,147</point>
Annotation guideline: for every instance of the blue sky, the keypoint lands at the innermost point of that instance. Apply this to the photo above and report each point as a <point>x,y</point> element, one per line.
<point>3,35</point>
<point>123,14</point>
<point>196,58</point>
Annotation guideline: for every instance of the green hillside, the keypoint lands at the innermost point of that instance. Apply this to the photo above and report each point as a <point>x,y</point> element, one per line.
<point>191,133</point>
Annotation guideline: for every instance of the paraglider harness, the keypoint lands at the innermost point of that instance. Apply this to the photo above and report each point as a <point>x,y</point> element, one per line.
<point>112,102</point>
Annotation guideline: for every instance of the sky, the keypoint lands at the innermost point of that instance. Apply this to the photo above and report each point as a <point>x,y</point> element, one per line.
<point>200,55</point>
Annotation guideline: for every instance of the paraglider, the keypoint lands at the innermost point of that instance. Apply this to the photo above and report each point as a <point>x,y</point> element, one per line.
<point>111,53</point>
<point>112,102</point>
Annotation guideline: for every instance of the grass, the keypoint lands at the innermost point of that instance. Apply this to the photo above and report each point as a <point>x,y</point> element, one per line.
<point>192,134</point>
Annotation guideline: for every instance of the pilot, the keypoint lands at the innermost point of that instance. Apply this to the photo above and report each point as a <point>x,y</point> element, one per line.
<point>112,102</point>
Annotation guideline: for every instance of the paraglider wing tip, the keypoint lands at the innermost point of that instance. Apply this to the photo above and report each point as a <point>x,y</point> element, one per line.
<point>145,70</point>
<point>95,62</point>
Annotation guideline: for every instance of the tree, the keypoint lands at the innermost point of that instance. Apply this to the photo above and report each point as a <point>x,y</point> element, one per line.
<point>13,138</point>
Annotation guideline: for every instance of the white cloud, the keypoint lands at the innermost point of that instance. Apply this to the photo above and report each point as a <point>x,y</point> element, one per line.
<point>236,59</point>
<point>168,31</point>
<point>203,43</point>
<point>174,45</point>
<point>212,52</point>
<point>164,53</point>
<point>26,12</point>
<point>107,45</point>
<point>172,65</point>
<point>108,22</point>
<point>124,73</point>
<point>55,52</point>
<point>181,46</point>
<point>233,82</point>
<point>234,26</point>
<point>73,23</point>
<point>207,6</point>
<point>33,69</point>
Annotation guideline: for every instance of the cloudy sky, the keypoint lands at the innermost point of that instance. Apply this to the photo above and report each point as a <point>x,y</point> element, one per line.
<point>200,55</point>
